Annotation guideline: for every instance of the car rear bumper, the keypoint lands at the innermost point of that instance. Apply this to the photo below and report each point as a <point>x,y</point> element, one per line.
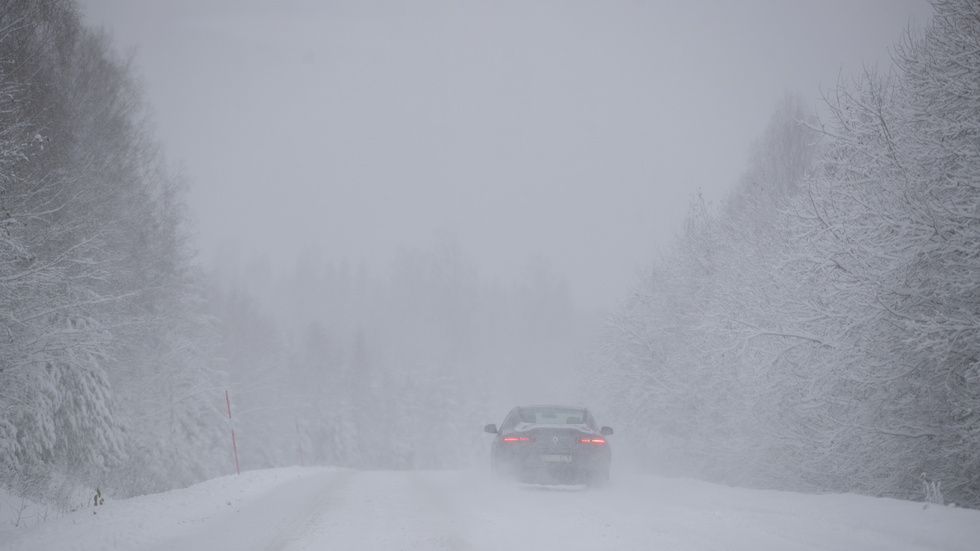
<point>555,467</point>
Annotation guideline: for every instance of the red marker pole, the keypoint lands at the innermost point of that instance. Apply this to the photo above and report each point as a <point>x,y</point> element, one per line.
<point>233,446</point>
<point>299,444</point>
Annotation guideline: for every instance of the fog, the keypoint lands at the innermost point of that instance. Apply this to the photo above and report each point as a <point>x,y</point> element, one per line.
<point>331,241</point>
<point>570,132</point>
<point>433,206</point>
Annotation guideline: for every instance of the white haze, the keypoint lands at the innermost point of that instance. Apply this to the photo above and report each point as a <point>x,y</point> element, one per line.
<point>415,214</point>
<point>570,133</point>
<point>347,159</point>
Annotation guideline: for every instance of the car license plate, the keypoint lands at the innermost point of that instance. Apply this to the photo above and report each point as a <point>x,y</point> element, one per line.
<point>557,458</point>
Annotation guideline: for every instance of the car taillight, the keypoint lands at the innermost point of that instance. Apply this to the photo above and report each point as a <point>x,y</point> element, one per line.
<point>518,439</point>
<point>594,440</point>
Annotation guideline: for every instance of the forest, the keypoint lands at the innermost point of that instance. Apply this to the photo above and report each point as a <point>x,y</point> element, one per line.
<point>817,330</point>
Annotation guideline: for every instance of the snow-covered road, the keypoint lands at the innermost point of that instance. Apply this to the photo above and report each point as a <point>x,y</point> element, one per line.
<point>319,508</point>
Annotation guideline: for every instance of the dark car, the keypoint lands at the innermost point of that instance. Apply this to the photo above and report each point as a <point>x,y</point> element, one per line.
<point>551,445</point>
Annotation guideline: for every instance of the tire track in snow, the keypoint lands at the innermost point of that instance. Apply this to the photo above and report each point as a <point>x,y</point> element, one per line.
<point>305,520</point>
<point>387,510</point>
<point>445,517</point>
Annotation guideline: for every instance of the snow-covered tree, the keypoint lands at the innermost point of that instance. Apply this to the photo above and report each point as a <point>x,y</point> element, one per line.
<point>98,300</point>
<point>822,326</point>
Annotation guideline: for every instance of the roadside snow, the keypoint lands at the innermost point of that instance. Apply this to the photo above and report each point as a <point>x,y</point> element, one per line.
<point>147,521</point>
<point>322,508</point>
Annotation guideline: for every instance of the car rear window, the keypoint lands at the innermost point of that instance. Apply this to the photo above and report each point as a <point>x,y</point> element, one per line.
<point>553,416</point>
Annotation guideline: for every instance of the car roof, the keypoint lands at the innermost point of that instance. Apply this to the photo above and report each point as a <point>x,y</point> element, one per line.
<point>552,406</point>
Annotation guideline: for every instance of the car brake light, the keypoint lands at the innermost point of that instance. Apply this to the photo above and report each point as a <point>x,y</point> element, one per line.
<point>594,440</point>
<point>518,439</point>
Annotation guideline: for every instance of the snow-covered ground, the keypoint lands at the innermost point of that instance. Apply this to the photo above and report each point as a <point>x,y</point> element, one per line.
<point>320,508</point>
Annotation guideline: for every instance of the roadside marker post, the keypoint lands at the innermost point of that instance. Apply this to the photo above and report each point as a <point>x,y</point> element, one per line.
<point>233,445</point>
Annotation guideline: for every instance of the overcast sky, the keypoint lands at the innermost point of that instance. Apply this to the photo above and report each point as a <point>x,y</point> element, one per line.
<point>570,131</point>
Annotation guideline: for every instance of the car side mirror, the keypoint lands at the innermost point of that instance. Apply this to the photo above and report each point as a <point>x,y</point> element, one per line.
<point>606,431</point>
<point>491,428</point>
